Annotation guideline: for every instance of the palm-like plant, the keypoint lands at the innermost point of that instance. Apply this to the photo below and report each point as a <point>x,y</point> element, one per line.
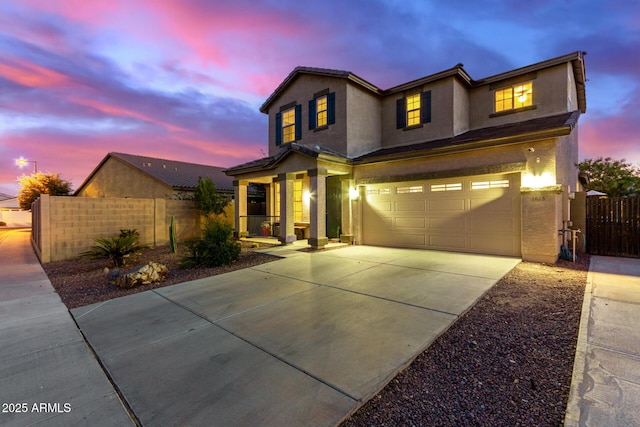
<point>116,248</point>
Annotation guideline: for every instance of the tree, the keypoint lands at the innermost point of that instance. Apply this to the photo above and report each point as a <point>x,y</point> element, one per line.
<point>32,186</point>
<point>208,199</point>
<point>616,178</point>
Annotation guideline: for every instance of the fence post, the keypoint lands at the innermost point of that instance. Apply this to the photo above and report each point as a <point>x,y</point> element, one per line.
<point>161,232</point>
<point>41,226</point>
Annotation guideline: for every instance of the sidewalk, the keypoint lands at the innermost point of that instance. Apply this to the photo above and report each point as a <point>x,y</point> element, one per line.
<point>605,389</point>
<point>48,375</point>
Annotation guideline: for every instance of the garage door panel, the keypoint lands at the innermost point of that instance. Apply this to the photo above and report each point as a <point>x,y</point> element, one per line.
<point>447,205</point>
<point>414,223</point>
<point>489,224</point>
<point>411,206</point>
<point>504,204</point>
<point>446,214</point>
<point>381,205</point>
<point>447,223</point>
<point>412,240</point>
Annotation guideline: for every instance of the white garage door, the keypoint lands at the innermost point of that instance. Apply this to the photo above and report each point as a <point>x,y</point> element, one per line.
<point>479,214</point>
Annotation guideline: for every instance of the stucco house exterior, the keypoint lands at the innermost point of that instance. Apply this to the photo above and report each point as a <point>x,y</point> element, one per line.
<point>443,162</point>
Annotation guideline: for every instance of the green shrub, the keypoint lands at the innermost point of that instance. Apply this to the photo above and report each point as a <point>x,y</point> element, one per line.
<point>116,248</point>
<point>216,247</point>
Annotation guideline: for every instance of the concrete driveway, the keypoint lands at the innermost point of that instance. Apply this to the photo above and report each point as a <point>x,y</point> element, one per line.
<point>299,341</point>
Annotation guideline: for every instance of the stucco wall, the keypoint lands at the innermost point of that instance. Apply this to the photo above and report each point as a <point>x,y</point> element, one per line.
<point>64,227</point>
<point>441,125</point>
<point>301,92</point>
<point>549,97</point>
<point>117,179</point>
<point>364,121</point>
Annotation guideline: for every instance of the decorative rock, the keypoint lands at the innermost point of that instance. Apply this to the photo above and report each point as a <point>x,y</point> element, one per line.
<point>112,275</point>
<point>142,275</point>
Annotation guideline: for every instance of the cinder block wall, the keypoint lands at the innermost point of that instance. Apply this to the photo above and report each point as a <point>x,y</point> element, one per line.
<point>64,227</point>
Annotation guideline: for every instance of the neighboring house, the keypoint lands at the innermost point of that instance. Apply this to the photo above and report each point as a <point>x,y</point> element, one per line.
<point>10,213</point>
<point>444,162</point>
<point>128,175</point>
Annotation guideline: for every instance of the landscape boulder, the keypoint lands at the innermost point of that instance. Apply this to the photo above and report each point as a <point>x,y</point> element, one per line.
<point>142,275</point>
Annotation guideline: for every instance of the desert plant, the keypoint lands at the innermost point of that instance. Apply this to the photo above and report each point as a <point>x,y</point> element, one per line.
<point>129,232</point>
<point>208,199</point>
<point>116,248</point>
<point>173,244</point>
<point>216,247</point>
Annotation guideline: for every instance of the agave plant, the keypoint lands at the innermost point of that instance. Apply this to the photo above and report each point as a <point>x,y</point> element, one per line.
<point>116,248</point>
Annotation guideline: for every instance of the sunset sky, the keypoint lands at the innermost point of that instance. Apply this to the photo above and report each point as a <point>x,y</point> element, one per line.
<point>183,79</point>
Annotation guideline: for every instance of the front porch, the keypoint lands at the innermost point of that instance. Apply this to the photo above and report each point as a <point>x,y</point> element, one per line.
<point>307,192</point>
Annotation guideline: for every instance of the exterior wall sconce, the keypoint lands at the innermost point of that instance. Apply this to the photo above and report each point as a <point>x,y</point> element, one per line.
<point>354,194</point>
<point>547,179</point>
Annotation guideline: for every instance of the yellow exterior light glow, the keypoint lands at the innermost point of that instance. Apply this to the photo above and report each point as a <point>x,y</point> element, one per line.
<point>353,193</point>
<point>547,179</point>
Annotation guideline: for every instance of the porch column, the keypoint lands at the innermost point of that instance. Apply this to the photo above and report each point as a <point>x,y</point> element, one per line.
<point>318,207</point>
<point>287,229</point>
<point>240,198</point>
<point>347,185</point>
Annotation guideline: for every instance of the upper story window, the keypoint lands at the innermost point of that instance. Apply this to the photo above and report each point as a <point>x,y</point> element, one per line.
<point>413,110</point>
<point>288,124</point>
<point>514,97</point>
<point>322,110</point>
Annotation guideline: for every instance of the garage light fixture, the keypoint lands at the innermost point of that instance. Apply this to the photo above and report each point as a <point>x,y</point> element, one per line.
<point>354,194</point>
<point>546,179</point>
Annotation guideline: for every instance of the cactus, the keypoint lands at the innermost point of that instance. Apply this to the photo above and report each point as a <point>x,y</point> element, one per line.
<point>173,245</point>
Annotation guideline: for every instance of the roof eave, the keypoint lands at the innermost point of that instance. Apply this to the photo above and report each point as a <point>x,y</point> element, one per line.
<point>462,146</point>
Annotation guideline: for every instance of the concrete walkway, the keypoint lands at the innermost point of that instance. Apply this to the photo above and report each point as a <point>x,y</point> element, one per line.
<point>605,390</point>
<point>48,375</point>
<point>298,341</point>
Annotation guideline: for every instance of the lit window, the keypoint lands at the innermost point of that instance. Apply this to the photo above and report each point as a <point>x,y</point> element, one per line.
<point>413,110</point>
<point>297,201</point>
<point>407,190</point>
<point>456,186</point>
<point>514,97</point>
<point>321,111</point>
<point>484,185</point>
<point>378,191</point>
<point>289,125</point>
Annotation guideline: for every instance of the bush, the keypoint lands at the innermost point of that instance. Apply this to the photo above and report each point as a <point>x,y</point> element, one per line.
<point>116,248</point>
<point>215,248</point>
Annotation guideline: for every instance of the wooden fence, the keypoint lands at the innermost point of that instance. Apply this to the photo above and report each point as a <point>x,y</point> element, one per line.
<point>613,226</point>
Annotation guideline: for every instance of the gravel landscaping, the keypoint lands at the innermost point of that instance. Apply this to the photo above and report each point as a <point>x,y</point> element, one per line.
<point>82,281</point>
<point>506,362</point>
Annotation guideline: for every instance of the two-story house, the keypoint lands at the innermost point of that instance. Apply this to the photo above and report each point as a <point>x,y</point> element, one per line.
<point>444,162</point>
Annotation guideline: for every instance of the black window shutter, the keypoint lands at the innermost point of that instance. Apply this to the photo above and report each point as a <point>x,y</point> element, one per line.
<point>401,113</point>
<point>278,128</point>
<point>312,114</point>
<point>425,107</point>
<point>298,122</point>
<point>331,108</point>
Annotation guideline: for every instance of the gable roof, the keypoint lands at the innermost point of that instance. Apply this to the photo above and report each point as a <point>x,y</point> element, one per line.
<point>298,71</point>
<point>458,71</point>
<point>178,175</point>
<point>271,162</point>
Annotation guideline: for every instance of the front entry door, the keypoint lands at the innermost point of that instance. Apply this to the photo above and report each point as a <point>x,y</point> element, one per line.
<point>334,207</point>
